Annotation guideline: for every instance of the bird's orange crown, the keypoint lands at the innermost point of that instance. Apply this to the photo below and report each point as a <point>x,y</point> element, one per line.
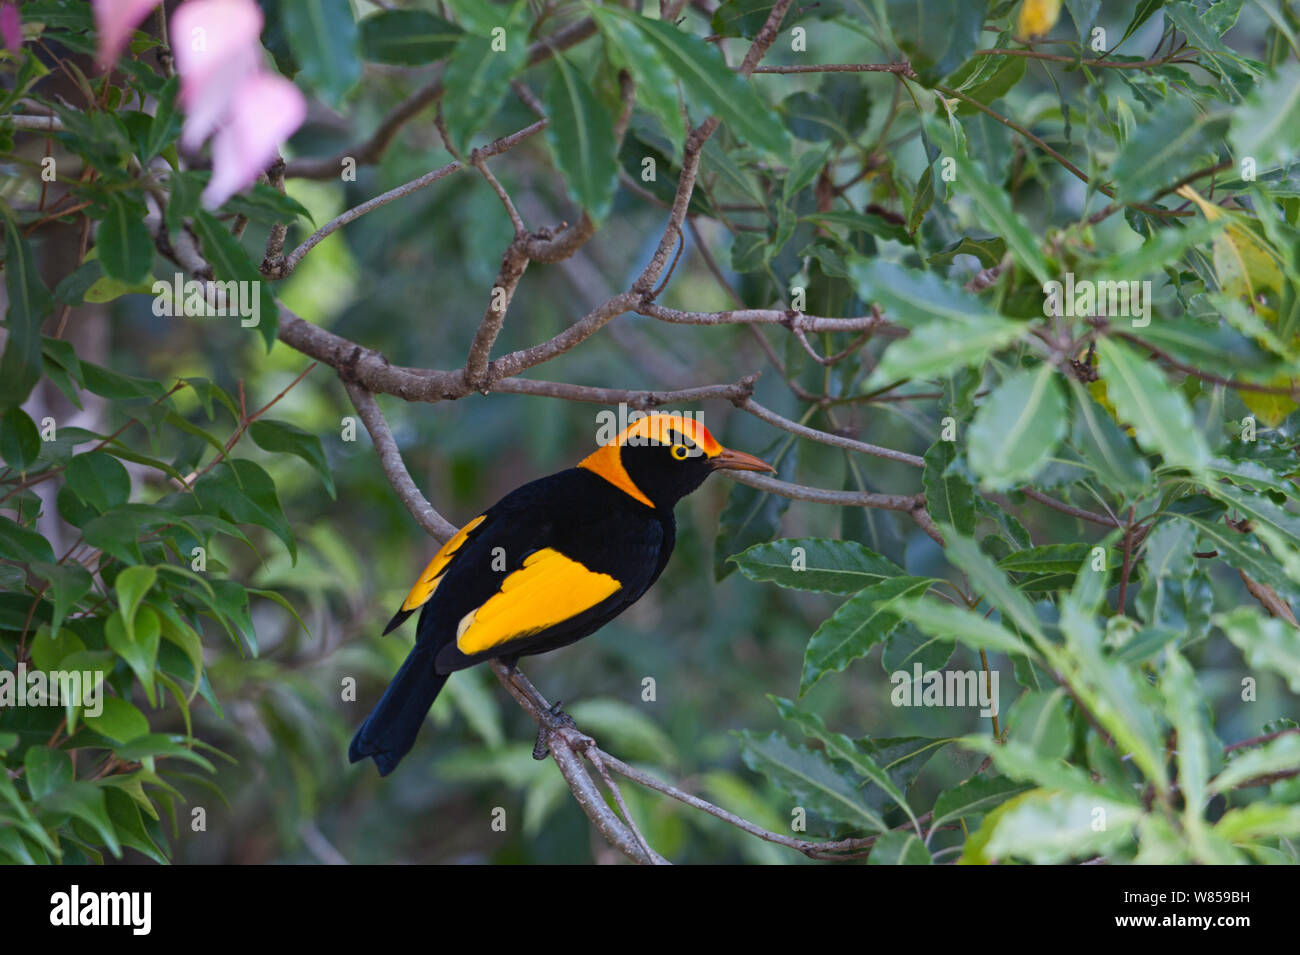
<point>656,428</point>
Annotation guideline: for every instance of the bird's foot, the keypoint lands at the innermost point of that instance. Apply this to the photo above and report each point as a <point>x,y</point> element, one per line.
<point>553,719</point>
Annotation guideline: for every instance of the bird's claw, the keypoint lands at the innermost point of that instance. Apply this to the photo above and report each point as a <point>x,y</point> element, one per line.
<point>553,719</point>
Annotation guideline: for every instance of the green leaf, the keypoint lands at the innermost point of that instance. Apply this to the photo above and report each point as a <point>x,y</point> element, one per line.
<point>656,86</point>
<point>899,848</point>
<point>476,79</point>
<point>20,441</point>
<point>1121,702</point>
<point>966,334</point>
<point>913,296</point>
<point>407,37</point>
<point>1141,14</point>
<point>85,801</point>
<point>124,813</point>
<point>950,497</point>
<point>261,203</point>
<point>161,744</point>
<point>1259,821</point>
<point>1185,706</point>
<point>986,579</point>
<point>99,479</point>
<point>119,721</point>
<point>1039,723</point>
<point>242,492</point>
<point>1169,565</point>
<point>1173,142</point>
<point>859,624</point>
<point>1159,414</point>
<point>166,124</point>
<point>1266,642</point>
<point>811,779</point>
<point>20,544</point>
<point>1267,126</point>
<point>1017,427</point>
<point>709,81</point>
<point>1105,448</point>
<point>581,137</point>
<point>1047,559</point>
<point>1241,552</point>
<point>125,247</point>
<point>975,796</point>
<point>839,746</point>
<point>109,384</point>
<point>857,222</point>
<point>323,37</point>
<point>231,263</point>
<point>937,36</point>
<point>1051,827</point>
<point>907,647</point>
<point>956,623</point>
<point>280,437</point>
<point>131,586</point>
<point>996,212</point>
<point>47,770</point>
<point>988,249</point>
<point>29,303</point>
<point>69,582</point>
<point>1278,755</point>
<point>1020,762</point>
<point>812,563</point>
<point>137,646</point>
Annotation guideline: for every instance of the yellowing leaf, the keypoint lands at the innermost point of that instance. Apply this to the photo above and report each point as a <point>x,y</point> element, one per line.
<point>1268,408</point>
<point>1037,17</point>
<point>1245,264</point>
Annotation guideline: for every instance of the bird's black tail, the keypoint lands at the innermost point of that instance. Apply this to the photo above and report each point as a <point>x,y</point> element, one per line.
<point>389,732</point>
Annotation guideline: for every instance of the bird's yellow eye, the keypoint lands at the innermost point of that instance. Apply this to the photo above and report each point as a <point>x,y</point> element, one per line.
<point>680,452</point>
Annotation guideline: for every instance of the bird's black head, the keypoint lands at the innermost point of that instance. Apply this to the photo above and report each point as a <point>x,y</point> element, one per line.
<point>661,458</point>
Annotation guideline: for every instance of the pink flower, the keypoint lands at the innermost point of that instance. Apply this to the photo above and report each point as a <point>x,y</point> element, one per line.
<point>11,27</point>
<point>227,95</point>
<point>265,112</point>
<point>115,21</point>
<point>215,43</point>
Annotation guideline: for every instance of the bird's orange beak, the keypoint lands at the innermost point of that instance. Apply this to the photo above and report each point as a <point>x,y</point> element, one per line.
<point>730,460</point>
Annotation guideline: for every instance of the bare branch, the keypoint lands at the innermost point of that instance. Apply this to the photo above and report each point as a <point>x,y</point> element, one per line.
<point>1091,516</point>
<point>835,440</point>
<point>563,741</point>
<point>390,458</point>
<point>280,269</point>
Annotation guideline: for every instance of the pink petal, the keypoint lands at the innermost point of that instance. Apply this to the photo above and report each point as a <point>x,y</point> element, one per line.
<point>11,27</point>
<point>265,111</point>
<point>208,102</point>
<point>115,20</point>
<point>215,42</point>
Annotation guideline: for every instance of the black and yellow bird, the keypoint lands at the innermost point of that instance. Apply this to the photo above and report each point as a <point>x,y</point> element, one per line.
<point>548,564</point>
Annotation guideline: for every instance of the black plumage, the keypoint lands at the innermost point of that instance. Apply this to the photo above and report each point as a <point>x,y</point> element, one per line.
<point>594,533</point>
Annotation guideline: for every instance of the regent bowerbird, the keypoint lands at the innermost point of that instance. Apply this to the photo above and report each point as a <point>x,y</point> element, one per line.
<point>550,563</point>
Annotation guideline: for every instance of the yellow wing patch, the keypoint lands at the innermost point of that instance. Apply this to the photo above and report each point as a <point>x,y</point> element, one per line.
<point>549,589</point>
<point>429,580</point>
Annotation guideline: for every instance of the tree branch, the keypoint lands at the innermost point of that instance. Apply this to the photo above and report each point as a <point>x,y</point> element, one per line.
<point>390,458</point>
